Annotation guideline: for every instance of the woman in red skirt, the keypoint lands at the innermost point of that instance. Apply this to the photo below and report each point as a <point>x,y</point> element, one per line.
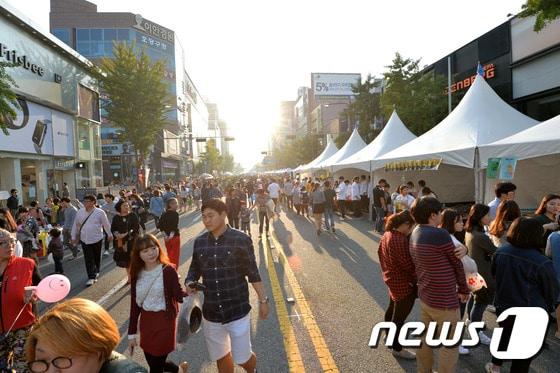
<point>155,292</point>
<point>169,225</point>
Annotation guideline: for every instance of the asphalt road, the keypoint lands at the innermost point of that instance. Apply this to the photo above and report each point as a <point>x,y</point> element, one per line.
<point>326,294</point>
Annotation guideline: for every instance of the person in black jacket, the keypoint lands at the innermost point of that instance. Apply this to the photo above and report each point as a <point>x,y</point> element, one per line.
<point>520,262</point>
<point>169,225</point>
<point>125,227</point>
<point>13,202</point>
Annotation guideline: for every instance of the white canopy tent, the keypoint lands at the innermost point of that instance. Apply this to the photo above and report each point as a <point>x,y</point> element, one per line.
<point>330,149</point>
<point>393,135</point>
<point>481,117</point>
<point>354,144</point>
<point>537,151</point>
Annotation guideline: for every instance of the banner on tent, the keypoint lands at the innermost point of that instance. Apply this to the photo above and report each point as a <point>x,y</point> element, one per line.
<point>413,165</point>
<point>501,168</point>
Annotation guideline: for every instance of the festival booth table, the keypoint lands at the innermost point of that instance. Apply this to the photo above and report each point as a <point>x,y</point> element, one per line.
<point>536,152</point>
<point>393,135</point>
<point>447,156</point>
<point>330,149</point>
<point>354,144</point>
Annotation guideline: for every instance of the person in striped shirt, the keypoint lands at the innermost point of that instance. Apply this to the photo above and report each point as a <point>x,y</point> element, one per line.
<point>441,280</point>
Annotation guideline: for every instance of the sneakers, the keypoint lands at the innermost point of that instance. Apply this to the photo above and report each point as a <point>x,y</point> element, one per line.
<point>404,354</point>
<point>106,253</point>
<point>464,350</point>
<point>318,232</point>
<point>484,339</point>
<point>90,282</point>
<point>333,230</point>
<point>491,308</point>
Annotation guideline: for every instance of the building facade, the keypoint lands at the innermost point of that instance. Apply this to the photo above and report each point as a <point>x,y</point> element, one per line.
<point>93,34</point>
<point>521,65</point>
<point>55,138</point>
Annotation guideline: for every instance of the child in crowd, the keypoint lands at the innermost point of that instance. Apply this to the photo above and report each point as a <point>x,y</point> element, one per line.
<point>245,218</point>
<point>57,249</point>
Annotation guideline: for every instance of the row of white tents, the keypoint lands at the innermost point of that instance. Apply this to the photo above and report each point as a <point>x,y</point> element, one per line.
<point>482,126</point>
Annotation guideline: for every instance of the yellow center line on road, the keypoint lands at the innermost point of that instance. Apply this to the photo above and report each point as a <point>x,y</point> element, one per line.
<point>323,353</point>
<point>295,362</point>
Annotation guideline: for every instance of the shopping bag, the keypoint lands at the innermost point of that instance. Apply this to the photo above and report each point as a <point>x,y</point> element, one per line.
<point>50,258</point>
<point>190,317</point>
<point>475,281</point>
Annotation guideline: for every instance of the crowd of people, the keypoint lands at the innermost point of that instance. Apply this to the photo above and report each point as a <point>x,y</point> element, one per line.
<point>426,251</point>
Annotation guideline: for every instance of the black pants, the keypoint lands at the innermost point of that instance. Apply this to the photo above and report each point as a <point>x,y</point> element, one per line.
<point>159,364</point>
<point>92,257</point>
<point>58,264</point>
<point>397,312</point>
<point>106,241</point>
<point>276,206</point>
<point>263,216</point>
<point>342,207</point>
<point>517,366</point>
<point>357,207</point>
<point>233,220</point>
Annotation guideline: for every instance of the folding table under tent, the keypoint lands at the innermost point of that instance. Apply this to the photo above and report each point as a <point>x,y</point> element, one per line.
<point>480,118</point>
<point>354,144</point>
<point>537,151</point>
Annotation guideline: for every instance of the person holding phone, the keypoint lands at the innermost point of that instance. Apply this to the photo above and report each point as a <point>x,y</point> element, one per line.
<point>225,259</point>
<point>154,294</point>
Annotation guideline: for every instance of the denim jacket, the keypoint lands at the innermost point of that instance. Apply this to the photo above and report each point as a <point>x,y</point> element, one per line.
<point>524,278</point>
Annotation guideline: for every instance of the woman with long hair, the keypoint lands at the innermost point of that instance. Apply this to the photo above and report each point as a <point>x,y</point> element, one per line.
<point>137,206</point>
<point>154,296</point>
<point>398,273</point>
<point>481,249</point>
<point>452,222</point>
<point>169,225</point>
<point>547,215</point>
<point>506,213</point>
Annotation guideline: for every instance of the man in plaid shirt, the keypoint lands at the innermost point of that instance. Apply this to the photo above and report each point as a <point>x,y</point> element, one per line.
<point>224,258</point>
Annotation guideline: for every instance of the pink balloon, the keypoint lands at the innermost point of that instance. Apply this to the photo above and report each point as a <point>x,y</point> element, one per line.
<point>53,288</point>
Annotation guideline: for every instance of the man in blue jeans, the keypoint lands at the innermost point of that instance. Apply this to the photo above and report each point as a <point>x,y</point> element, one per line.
<point>330,200</point>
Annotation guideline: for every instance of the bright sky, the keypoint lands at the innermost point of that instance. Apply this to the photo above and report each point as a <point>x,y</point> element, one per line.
<point>248,55</point>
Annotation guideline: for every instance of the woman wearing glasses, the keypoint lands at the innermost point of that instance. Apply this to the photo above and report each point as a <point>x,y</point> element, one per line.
<point>16,304</point>
<point>76,336</point>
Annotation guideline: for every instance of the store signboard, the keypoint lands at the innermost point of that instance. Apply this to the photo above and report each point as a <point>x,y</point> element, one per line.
<point>38,130</point>
<point>334,84</point>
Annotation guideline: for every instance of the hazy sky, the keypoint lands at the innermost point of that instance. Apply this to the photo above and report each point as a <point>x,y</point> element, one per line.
<point>248,55</point>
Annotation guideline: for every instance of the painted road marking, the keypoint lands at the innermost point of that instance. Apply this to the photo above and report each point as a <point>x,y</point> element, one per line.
<point>323,353</point>
<point>110,293</point>
<point>295,362</point>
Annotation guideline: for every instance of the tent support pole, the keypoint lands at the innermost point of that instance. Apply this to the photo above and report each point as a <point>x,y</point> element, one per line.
<point>477,178</point>
<point>372,183</point>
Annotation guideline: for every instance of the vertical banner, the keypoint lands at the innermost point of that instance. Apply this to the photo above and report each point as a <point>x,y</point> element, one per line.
<point>493,168</point>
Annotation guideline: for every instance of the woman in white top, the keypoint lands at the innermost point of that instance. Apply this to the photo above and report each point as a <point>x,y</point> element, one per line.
<point>403,201</point>
<point>155,292</point>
